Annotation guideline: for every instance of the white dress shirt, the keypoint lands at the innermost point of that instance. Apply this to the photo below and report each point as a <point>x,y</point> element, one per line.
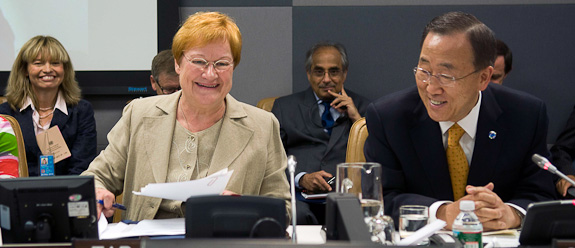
<point>60,104</point>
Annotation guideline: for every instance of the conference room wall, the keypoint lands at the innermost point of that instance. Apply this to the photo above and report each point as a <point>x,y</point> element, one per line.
<point>383,38</point>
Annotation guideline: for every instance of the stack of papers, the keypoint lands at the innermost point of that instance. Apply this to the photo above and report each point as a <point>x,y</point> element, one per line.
<point>211,185</point>
<point>144,228</point>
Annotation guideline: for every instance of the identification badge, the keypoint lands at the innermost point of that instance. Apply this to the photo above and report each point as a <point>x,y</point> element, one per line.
<point>46,165</point>
<point>52,142</point>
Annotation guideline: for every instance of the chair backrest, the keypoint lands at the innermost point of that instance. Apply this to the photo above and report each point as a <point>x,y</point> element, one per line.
<point>22,163</point>
<point>267,103</point>
<point>357,136</point>
<point>118,213</point>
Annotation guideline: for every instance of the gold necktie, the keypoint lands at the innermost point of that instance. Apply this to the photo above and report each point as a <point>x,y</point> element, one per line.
<point>457,161</point>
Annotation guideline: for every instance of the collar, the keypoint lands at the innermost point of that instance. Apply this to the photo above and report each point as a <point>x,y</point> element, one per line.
<point>317,100</point>
<point>60,104</point>
<point>468,123</point>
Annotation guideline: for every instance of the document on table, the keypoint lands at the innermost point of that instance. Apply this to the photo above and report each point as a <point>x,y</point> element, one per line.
<point>180,191</point>
<point>144,228</point>
<point>313,196</point>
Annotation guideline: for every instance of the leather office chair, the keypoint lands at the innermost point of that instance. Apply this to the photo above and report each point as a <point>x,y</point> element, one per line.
<point>357,136</point>
<point>118,213</point>
<point>22,163</point>
<point>267,103</point>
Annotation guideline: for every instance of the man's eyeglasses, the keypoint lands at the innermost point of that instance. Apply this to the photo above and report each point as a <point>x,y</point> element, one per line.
<point>444,79</point>
<point>320,73</point>
<point>221,65</point>
<point>168,90</point>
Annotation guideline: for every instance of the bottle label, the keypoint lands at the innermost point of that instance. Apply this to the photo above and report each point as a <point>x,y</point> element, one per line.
<point>469,239</point>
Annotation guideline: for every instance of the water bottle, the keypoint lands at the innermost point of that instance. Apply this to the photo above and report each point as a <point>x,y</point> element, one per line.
<point>467,227</point>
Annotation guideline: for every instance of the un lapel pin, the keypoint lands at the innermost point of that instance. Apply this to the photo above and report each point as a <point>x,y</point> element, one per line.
<point>492,135</point>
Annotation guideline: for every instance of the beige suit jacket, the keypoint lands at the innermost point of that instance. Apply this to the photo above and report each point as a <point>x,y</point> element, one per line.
<point>140,143</point>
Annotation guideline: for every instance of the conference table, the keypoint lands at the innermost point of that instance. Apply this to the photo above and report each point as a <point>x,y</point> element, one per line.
<point>307,236</point>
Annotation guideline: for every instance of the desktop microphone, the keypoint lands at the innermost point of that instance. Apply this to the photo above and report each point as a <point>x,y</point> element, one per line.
<point>546,165</point>
<point>291,168</point>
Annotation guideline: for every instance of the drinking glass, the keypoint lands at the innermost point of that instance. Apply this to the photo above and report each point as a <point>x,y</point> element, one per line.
<point>411,219</point>
<point>364,181</point>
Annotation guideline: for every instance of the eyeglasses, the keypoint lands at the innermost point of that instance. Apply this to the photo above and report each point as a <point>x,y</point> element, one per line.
<point>320,73</point>
<point>221,65</point>
<point>168,90</point>
<point>444,79</point>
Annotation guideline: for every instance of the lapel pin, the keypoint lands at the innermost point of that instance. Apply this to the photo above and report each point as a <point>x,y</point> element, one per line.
<point>492,135</point>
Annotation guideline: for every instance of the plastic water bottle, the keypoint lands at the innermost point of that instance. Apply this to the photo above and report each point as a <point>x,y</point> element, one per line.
<point>467,227</point>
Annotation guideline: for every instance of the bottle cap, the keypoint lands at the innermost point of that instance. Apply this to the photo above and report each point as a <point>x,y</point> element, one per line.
<point>467,205</point>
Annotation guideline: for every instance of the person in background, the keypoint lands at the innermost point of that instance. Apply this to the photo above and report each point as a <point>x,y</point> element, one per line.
<point>454,136</point>
<point>503,63</point>
<point>563,154</point>
<point>317,143</point>
<point>164,78</point>
<point>194,132</point>
<point>42,93</point>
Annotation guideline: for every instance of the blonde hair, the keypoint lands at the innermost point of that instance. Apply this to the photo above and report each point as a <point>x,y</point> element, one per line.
<point>19,86</point>
<point>202,28</point>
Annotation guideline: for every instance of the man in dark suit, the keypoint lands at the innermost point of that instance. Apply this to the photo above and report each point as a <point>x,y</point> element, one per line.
<point>456,137</point>
<point>315,124</point>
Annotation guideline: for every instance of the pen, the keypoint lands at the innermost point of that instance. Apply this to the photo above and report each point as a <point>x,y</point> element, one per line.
<point>116,205</point>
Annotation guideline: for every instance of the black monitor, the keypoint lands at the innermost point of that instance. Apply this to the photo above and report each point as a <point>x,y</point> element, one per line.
<point>545,221</point>
<point>48,209</point>
<point>344,219</point>
<point>235,217</point>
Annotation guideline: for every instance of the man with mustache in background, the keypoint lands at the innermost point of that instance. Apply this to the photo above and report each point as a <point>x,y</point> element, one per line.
<point>315,124</point>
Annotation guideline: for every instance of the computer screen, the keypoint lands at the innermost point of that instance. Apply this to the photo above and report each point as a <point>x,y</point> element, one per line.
<point>548,220</point>
<point>235,217</point>
<point>48,209</point>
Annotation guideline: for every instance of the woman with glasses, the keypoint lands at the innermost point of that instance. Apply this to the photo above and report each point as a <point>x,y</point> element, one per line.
<point>194,132</point>
<point>43,95</point>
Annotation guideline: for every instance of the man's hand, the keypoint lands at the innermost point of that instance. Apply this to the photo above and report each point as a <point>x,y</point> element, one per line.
<point>344,104</point>
<point>227,192</point>
<point>493,213</point>
<point>489,208</point>
<point>108,198</point>
<point>448,212</point>
<point>562,185</point>
<point>315,182</point>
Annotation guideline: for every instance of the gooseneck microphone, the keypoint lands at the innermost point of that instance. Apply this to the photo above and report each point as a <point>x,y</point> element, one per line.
<point>546,165</point>
<point>291,164</point>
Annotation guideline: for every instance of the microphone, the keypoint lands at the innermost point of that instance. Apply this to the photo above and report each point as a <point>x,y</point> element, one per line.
<point>291,164</point>
<point>546,165</point>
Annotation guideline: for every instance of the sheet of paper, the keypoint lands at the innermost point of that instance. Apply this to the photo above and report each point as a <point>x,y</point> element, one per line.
<point>422,233</point>
<point>102,224</point>
<point>180,191</point>
<point>52,142</point>
<point>308,234</point>
<point>145,228</point>
<point>313,196</point>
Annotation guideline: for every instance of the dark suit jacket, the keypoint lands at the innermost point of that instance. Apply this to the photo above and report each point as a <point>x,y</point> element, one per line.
<point>78,129</point>
<point>409,146</point>
<point>563,152</point>
<point>303,136</point>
